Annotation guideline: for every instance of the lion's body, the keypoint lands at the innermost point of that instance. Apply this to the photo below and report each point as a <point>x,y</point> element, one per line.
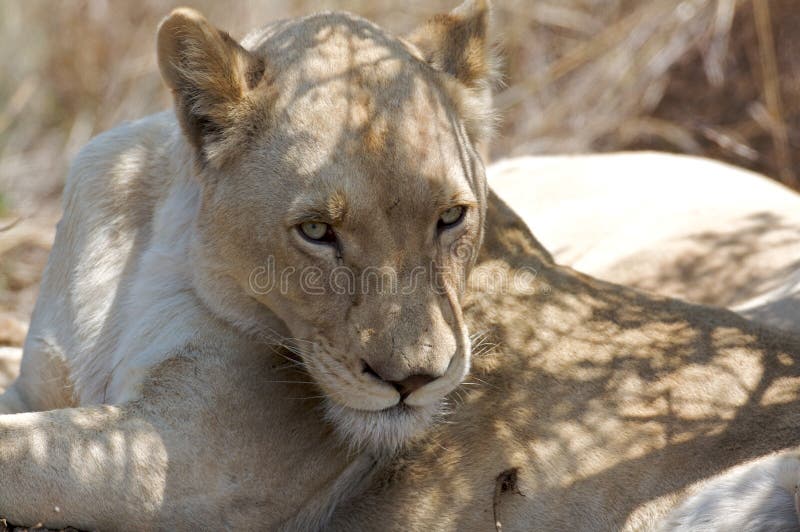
<point>145,405</point>
<point>680,226</point>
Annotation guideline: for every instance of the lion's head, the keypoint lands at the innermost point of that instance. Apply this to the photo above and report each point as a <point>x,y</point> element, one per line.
<point>342,192</point>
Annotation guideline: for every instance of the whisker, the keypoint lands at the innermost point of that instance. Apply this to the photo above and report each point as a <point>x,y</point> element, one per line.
<point>294,350</point>
<point>483,346</point>
<point>291,365</point>
<point>479,334</point>
<point>489,384</point>
<point>290,359</point>
<point>460,396</point>
<point>457,399</point>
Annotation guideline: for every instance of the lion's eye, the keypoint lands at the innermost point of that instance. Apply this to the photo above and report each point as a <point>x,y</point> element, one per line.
<point>451,216</point>
<point>317,231</point>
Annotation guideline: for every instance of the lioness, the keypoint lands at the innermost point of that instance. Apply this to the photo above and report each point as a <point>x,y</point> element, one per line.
<point>180,372</point>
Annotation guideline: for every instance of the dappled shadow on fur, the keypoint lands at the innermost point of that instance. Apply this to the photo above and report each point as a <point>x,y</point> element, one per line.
<point>603,397</point>
<point>738,259</point>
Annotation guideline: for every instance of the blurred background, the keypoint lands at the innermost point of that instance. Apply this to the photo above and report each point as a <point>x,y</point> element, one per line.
<point>719,78</point>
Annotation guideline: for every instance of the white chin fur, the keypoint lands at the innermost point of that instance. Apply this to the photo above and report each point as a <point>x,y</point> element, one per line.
<point>383,431</point>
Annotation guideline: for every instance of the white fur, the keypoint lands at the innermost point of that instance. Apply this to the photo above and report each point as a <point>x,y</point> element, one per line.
<point>755,497</point>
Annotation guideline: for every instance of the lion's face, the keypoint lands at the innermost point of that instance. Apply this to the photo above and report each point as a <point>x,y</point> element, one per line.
<point>343,192</point>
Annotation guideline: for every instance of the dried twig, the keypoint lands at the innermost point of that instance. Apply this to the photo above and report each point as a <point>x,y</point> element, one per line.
<point>772,91</point>
<point>576,57</point>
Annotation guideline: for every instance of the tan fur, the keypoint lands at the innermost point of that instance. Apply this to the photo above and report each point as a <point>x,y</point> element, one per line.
<point>161,389</point>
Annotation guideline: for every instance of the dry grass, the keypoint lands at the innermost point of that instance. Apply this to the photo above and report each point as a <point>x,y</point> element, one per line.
<point>698,76</point>
<point>714,77</point>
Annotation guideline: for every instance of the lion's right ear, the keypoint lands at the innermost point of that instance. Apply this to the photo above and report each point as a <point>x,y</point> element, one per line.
<point>210,75</point>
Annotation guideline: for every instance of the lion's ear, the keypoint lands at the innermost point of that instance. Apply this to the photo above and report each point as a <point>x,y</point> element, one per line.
<point>209,74</point>
<point>459,43</point>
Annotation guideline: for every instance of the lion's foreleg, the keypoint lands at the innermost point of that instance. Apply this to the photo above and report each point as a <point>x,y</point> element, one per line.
<point>91,467</point>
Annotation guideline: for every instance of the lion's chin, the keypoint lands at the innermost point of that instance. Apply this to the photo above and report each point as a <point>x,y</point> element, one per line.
<point>382,431</point>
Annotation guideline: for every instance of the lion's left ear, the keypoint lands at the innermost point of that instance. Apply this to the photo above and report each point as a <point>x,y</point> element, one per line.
<point>460,44</point>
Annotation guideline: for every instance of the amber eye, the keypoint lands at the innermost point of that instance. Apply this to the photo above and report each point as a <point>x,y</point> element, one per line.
<point>317,232</point>
<point>452,216</point>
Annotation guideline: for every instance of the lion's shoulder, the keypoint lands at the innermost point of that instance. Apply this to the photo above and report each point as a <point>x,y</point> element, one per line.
<point>121,172</point>
<point>115,268</point>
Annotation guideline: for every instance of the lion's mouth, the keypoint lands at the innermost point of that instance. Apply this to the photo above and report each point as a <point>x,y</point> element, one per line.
<point>382,431</point>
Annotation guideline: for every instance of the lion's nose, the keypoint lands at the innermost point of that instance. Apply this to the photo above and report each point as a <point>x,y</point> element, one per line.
<point>406,386</point>
<point>410,384</point>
